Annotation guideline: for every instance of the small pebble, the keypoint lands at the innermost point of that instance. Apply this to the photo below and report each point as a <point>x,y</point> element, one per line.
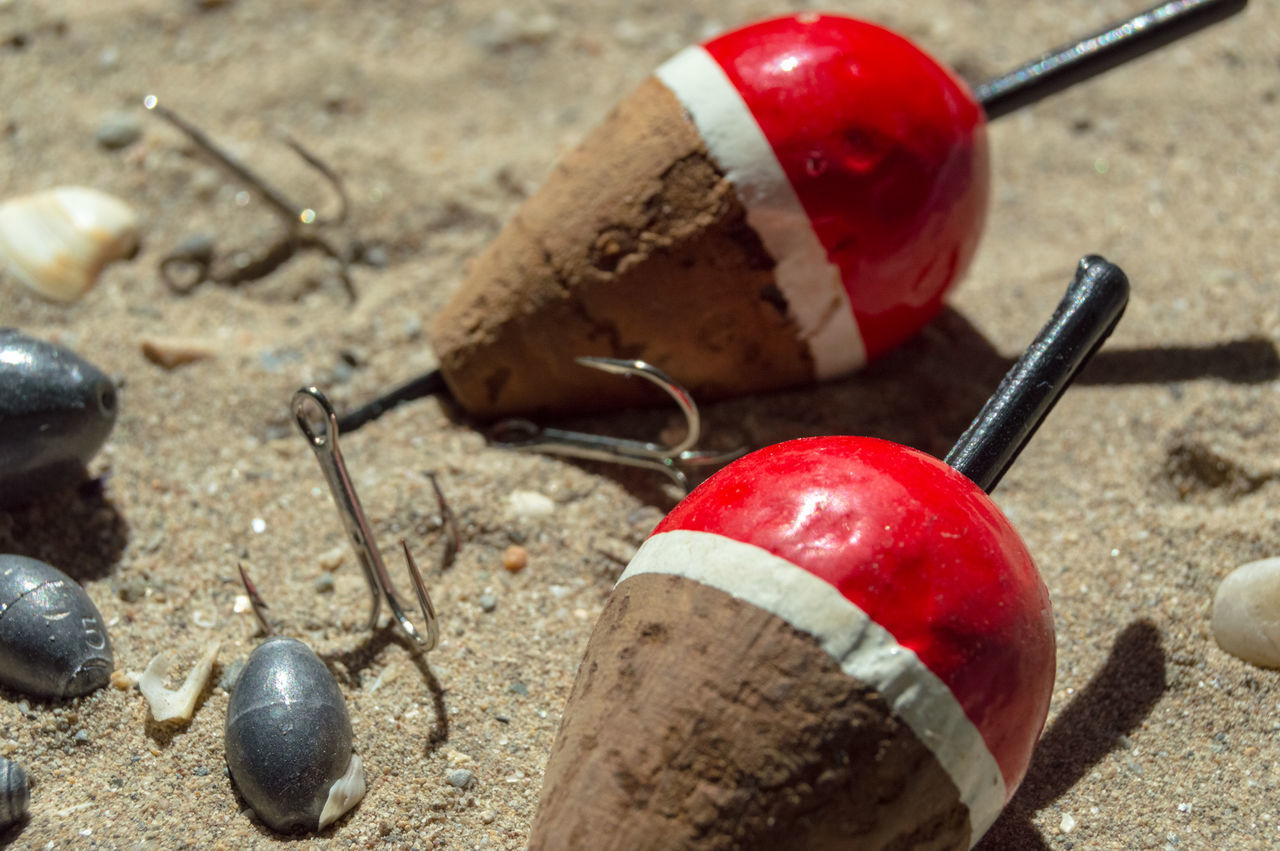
<point>514,558</point>
<point>132,590</point>
<point>173,352</point>
<point>488,602</point>
<point>530,504</point>
<point>117,130</point>
<point>324,583</point>
<point>331,560</point>
<point>204,184</point>
<point>230,674</point>
<point>460,778</point>
<point>1246,613</point>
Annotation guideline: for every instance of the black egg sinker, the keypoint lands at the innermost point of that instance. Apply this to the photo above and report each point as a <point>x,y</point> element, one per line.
<point>53,642</point>
<point>288,735</point>
<point>56,410</point>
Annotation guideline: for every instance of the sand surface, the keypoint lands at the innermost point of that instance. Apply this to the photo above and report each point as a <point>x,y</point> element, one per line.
<point>1152,479</point>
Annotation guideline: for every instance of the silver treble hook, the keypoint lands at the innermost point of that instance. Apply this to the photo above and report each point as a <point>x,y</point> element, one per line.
<point>527,436</point>
<point>325,445</point>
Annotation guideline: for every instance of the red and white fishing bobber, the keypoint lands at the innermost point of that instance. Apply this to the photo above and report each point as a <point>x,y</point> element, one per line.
<point>768,209</point>
<point>833,642</point>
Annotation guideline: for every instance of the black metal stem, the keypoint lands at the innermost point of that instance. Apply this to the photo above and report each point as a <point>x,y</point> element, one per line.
<point>1084,318</point>
<point>1101,52</point>
<point>428,384</point>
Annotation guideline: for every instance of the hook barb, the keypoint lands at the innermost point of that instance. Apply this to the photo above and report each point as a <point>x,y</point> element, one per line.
<point>526,436</point>
<point>256,602</point>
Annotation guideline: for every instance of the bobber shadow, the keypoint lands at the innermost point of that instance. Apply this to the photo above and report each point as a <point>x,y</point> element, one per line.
<point>1113,704</point>
<point>922,395</point>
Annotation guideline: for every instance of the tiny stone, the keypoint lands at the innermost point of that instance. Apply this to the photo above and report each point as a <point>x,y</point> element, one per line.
<point>1068,823</point>
<point>519,688</point>
<point>488,817</point>
<point>376,256</point>
<point>331,560</point>
<point>117,130</point>
<point>530,504</point>
<point>82,736</point>
<point>324,583</point>
<point>1246,613</point>
<point>488,602</point>
<point>460,778</point>
<point>514,558</point>
<point>132,591</point>
<point>205,182</point>
<point>230,674</point>
<point>173,352</point>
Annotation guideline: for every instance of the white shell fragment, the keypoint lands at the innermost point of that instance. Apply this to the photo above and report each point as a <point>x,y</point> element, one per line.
<point>57,242</point>
<point>166,704</point>
<point>344,794</point>
<point>1246,613</point>
<point>530,504</point>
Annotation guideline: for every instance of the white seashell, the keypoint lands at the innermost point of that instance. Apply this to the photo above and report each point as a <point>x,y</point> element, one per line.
<point>344,794</point>
<point>169,705</point>
<point>57,242</point>
<point>1246,613</point>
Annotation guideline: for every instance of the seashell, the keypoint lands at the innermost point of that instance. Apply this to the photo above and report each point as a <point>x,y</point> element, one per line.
<point>56,410</point>
<point>288,739</point>
<point>176,705</point>
<point>57,242</point>
<point>53,642</point>
<point>1246,613</point>
<point>15,793</point>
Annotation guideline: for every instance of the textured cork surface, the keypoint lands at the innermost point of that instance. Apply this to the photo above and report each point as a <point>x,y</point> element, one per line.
<point>635,247</point>
<point>700,721</point>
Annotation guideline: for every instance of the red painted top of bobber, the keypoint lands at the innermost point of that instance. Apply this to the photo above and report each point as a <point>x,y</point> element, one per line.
<point>886,148</point>
<point>919,548</point>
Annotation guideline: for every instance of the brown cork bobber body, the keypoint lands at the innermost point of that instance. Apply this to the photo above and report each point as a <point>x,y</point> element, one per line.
<point>635,247</point>
<point>700,721</point>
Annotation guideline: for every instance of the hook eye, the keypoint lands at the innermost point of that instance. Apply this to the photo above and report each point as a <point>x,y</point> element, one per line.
<point>311,397</point>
